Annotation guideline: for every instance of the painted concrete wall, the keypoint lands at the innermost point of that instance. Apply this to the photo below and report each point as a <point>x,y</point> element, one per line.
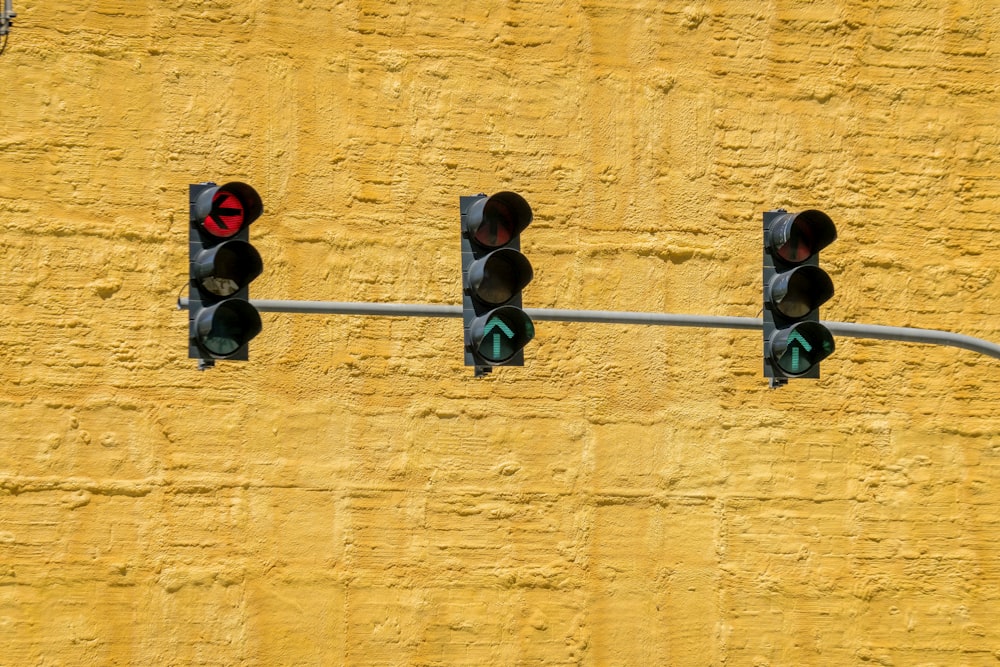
<point>633,496</point>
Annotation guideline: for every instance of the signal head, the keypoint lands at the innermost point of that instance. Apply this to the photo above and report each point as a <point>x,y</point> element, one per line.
<point>495,221</point>
<point>794,288</point>
<point>795,237</point>
<point>496,337</point>
<point>223,329</point>
<point>799,348</point>
<point>222,264</point>
<point>499,276</point>
<point>225,210</point>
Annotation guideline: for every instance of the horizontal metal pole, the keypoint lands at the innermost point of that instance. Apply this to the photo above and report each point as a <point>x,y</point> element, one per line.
<point>661,319</point>
<point>349,308</point>
<point>908,335</point>
<point>848,329</point>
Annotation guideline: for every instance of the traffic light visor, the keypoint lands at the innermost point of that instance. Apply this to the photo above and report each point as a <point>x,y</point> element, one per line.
<point>500,334</point>
<point>499,277</point>
<point>224,211</point>
<point>226,327</point>
<point>494,221</point>
<point>798,292</point>
<point>795,237</point>
<point>799,348</point>
<point>228,267</point>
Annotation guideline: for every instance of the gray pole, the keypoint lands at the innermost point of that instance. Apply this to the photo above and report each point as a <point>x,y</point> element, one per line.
<point>6,17</point>
<point>848,329</point>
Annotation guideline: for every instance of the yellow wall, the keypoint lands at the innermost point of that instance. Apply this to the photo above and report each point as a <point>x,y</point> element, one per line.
<point>633,495</point>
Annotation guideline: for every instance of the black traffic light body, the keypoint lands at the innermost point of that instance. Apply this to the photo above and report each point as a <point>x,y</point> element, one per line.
<point>222,265</point>
<point>794,289</point>
<point>493,274</point>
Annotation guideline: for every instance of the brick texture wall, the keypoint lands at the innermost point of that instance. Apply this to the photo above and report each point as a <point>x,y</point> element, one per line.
<point>632,495</point>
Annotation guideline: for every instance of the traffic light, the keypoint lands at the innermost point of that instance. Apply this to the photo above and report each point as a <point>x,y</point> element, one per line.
<point>493,274</point>
<point>794,289</point>
<point>222,265</point>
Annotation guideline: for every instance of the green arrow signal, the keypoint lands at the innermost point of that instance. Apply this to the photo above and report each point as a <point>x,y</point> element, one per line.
<point>798,350</point>
<point>796,337</point>
<point>497,323</point>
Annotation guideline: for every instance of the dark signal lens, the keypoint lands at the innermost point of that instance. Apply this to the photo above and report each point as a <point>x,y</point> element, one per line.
<point>497,228</point>
<point>495,221</point>
<point>795,237</point>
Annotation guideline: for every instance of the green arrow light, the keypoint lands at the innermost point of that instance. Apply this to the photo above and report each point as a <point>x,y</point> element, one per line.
<point>497,322</point>
<point>494,323</point>
<point>497,336</point>
<point>796,337</point>
<point>801,348</point>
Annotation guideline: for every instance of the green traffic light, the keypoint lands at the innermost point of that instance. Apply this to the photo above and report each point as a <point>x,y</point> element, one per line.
<point>500,334</point>
<point>799,348</point>
<point>794,289</point>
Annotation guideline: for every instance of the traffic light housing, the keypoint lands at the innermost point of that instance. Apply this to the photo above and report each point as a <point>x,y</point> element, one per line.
<point>493,274</point>
<point>794,289</point>
<point>222,264</point>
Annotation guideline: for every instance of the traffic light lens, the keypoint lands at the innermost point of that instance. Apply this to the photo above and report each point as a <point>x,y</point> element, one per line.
<point>799,245</point>
<point>227,268</point>
<point>500,276</point>
<point>224,211</point>
<point>227,215</point>
<point>798,349</point>
<point>798,236</point>
<point>497,219</point>
<point>225,328</point>
<point>497,228</point>
<point>498,283</point>
<point>501,333</point>
<point>798,292</point>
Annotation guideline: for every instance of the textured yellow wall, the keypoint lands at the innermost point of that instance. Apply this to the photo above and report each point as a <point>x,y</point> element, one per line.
<point>632,496</point>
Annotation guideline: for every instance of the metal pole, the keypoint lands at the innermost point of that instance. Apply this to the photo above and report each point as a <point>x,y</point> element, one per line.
<point>6,17</point>
<point>908,335</point>
<point>662,319</point>
<point>353,308</point>
<point>848,329</point>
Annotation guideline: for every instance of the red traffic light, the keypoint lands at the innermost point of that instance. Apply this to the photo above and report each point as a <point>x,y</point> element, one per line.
<point>224,211</point>
<point>222,264</point>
